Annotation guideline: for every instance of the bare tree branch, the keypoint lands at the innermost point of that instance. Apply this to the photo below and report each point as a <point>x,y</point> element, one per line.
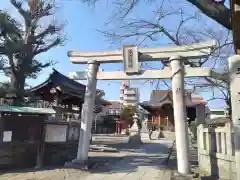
<point>216,10</point>
<point>184,34</point>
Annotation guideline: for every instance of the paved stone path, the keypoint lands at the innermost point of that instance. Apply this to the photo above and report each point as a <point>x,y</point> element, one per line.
<point>146,163</point>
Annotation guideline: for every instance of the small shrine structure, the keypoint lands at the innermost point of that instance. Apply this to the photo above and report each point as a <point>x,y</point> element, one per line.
<point>64,95</point>
<point>160,108</point>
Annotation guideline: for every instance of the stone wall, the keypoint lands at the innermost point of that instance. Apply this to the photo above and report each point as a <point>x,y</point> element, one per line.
<point>224,168</point>
<point>56,154</point>
<point>105,138</point>
<point>24,155</point>
<point>22,152</point>
<point>18,155</point>
<point>216,151</point>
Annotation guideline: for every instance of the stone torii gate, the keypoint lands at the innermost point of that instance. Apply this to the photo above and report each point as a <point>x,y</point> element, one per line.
<point>131,56</point>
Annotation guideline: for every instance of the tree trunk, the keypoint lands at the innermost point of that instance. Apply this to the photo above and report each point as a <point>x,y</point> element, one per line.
<point>17,88</point>
<point>215,10</point>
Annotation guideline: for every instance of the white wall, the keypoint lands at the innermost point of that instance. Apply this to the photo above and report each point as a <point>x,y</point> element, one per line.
<point>217,113</point>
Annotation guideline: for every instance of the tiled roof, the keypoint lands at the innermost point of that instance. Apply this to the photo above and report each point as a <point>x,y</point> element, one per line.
<point>115,105</point>
<point>30,110</point>
<point>199,100</point>
<point>74,90</point>
<point>160,97</point>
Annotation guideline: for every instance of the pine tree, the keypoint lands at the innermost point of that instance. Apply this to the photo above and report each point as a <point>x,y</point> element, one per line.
<point>22,41</point>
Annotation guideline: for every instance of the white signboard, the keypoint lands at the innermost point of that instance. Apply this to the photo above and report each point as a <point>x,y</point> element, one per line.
<point>7,136</point>
<point>56,133</point>
<point>130,59</point>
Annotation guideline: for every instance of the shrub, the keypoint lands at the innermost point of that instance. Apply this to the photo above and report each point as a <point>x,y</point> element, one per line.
<point>193,129</point>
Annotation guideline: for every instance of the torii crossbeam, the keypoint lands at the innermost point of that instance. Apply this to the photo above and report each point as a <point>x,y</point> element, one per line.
<point>192,51</point>
<point>166,73</point>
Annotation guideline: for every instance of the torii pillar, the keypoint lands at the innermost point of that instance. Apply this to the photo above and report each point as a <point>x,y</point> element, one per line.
<point>87,113</point>
<point>180,118</point>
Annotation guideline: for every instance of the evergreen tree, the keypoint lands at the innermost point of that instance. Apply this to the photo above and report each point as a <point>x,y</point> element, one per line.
<point>21,41</point>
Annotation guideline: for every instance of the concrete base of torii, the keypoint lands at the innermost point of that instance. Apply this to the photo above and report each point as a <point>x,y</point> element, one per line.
<point>82,165</point>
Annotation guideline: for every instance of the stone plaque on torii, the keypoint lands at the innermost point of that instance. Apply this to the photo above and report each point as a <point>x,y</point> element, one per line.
<point>131,56</point>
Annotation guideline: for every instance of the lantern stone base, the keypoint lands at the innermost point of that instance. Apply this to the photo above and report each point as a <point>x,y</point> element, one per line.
<point>144,136</point>
<point>135,137</point>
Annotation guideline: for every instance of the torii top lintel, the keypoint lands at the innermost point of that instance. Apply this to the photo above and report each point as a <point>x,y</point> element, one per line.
<point>192,51</point>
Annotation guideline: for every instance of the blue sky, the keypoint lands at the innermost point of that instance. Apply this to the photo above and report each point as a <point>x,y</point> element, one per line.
<point>81,24</point>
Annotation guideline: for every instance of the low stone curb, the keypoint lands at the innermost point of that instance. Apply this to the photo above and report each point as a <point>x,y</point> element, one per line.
<point>178,176</point>
<point>103,149</point>
<point>89,165</point>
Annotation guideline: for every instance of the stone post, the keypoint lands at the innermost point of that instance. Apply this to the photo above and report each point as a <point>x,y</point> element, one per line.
<point>200,114</point>
<point>1,127</point>
<point>87,112</point>
<point>234,68</point>
<point>180,119</point>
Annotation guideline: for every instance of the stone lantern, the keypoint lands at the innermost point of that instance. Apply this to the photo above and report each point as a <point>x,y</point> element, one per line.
<point>144,130</point>
<point>135,126</point>
<point>135,131</point>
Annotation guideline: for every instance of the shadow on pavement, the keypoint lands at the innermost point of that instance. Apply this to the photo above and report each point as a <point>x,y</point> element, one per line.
<point>153,155</point>
<point>129,159</point>
<point>209,178</point>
